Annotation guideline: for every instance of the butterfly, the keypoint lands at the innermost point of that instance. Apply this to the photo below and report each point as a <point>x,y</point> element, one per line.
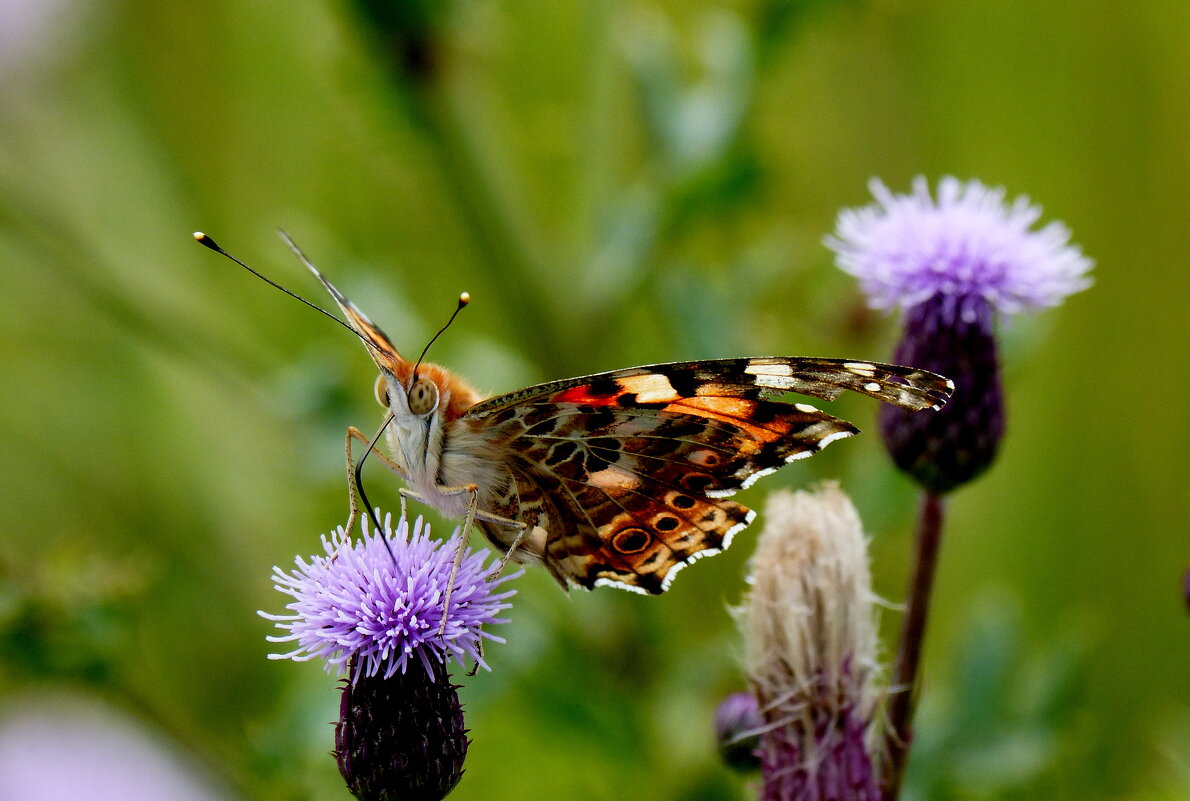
<point>619,478</point>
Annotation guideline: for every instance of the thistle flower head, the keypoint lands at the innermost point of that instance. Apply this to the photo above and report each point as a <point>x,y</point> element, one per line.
<point>953,263</point>
<point>380,606</point>
<point>810,642</point>
<point>967,247</point>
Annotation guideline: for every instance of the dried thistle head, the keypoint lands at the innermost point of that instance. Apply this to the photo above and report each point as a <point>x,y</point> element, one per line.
<point>810,648</point>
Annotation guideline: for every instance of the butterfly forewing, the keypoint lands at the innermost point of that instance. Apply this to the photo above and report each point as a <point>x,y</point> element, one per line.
<point>747,377</point>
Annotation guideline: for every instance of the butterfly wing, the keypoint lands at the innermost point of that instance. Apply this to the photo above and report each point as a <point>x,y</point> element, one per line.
<point>628,472</point>
<point>907,387</point>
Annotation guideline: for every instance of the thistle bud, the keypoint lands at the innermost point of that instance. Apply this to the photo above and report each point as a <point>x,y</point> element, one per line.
<point>737,731</point>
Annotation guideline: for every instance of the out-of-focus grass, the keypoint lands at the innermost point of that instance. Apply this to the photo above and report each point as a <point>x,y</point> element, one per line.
<point>615,184</point>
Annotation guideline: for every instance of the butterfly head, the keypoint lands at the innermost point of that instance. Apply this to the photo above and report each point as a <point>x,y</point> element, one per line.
<point>433,388</point>
<point>409,389</point>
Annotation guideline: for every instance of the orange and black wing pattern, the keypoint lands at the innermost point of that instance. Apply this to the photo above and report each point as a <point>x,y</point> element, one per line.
<point>629,472</point>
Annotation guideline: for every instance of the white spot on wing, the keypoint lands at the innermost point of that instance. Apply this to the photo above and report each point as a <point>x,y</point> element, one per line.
<point>769,368</point>
<point>806,408</point>
<point>861,368</point>
<point>872,386</point>
<point>773,381</point>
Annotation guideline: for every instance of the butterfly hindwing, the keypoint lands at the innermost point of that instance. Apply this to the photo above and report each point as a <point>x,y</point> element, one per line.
<point>628,473</point>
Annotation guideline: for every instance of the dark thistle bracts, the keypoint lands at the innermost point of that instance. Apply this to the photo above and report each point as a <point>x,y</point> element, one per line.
<point>401,738</point>
<point>956,444</point>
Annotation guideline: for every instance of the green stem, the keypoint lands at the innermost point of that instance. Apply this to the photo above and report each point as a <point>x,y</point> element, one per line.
<point>913,629</point>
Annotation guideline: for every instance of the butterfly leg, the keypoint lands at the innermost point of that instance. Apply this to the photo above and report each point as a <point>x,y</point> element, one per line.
<point>523,529</point>
<point>354,433</point>
<point>473,513</point>
<point>472,508</point>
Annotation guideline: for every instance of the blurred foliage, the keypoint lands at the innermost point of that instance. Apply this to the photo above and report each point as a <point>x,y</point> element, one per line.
<point>615,183</point>
<point>1001,726</point>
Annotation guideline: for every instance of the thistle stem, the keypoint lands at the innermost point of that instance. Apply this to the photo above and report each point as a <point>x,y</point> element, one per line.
<point>913,629</point>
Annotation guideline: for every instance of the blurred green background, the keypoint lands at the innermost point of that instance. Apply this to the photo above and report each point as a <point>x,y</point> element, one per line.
<point>615,183</point>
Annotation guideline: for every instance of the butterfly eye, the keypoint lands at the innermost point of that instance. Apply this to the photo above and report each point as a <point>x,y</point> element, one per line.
<point>423,396</point>
<point>382,390</point>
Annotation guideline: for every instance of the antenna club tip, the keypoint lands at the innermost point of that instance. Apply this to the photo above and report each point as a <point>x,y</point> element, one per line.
<point>206,241</point>
<point>464,299</point>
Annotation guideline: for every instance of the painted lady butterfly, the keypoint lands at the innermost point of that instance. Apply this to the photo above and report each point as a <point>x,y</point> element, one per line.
<point>618,478</point>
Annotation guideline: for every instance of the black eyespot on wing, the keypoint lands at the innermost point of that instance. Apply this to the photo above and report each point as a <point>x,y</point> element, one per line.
<point>696,483</point>
<point>631,540</point>
<point>666,523</point>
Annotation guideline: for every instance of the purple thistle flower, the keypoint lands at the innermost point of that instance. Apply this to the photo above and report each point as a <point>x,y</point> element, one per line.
<point>369,608</point>
<point>359,605</point>
<point>952,264</point>
<point>967,248</point>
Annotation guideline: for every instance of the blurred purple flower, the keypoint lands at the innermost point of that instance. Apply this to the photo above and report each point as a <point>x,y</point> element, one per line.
<point>62,746</point>
<point>967,247</point>
<point>360,603</point>
<point>952,263</point>
<point>737,731</point>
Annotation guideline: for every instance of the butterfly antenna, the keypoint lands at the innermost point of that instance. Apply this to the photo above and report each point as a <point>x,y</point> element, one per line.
<point>359,485</point>
<point>464,299</point>
<point>206,241</point>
